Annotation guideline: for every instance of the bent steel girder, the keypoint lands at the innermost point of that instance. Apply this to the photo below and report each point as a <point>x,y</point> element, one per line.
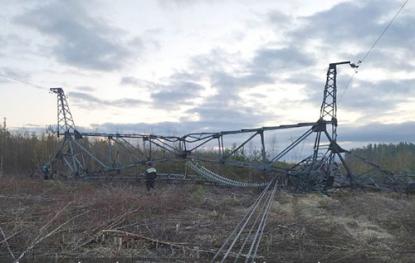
<point>176,148</point>
<point>185,145</point>
<point>123,150</point>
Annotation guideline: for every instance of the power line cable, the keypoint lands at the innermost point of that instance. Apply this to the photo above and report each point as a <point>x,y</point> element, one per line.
<point>384,31</point>
<point>349,82</point>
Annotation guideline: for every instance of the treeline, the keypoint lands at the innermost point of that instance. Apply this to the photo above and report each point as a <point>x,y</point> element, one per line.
<point>23,152</point>
<point>394,157</point>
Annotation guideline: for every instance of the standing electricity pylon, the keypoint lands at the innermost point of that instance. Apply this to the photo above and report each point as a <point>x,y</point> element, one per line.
<point>67,153</point>
<point>64,115</point>
<point>325,162</point>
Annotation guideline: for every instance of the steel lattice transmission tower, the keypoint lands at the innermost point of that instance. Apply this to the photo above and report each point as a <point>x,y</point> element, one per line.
<point>324,155</point>
<point>65,119</point>
<point>68,152</point>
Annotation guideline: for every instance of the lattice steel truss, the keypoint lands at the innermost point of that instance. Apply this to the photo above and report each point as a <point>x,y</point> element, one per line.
<point>65,120</point>
<point>323,168</point>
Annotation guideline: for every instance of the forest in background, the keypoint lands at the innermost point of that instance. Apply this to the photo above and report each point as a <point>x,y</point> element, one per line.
<point>23,152</point>
<point>399,158</point>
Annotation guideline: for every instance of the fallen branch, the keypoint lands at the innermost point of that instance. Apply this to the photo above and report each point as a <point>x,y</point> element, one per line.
<point>6,239</point>
<point>42,236</point>
<point>112,223</point>
<point>137,236</point>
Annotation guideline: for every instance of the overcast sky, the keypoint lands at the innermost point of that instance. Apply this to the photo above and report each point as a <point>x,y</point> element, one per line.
<point>175,66</point>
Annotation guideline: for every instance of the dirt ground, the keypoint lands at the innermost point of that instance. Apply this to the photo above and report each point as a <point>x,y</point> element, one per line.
<point>59,221</point>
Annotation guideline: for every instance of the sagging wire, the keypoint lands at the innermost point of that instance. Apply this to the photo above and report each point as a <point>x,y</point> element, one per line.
<point>360,61</point>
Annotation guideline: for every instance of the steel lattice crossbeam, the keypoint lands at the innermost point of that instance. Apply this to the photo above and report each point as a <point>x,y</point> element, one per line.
<point>320,168</point>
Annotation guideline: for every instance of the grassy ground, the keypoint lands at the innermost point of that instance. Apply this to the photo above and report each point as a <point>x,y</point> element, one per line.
<point>187,223</point>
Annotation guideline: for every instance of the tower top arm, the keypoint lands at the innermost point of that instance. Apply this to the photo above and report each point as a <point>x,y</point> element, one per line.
<point>65,123</point>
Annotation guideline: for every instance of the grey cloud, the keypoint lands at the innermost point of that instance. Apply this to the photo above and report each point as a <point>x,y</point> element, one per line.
<point>88,101</point>
<point>367,97</point>
<point>221,111</point>
<point>163,128</point>
<point>313,86</point>
<point>345,22</point>
<point>307,79</point>
<point>277,17</point>
<point>136,82</point>
<point>377,132</point>
<point>183,3</point>
<point>259,95</point>
<point>359,23</point>
<point>13,73</point>
<point>225,109</point>
<point>379,96</point>
<point>231,84</point>
<point>261,69</point>
<point>176,94</point>
<point>85,88</point>
<point>280,59</point>
<point>213,120</point>
<point>129,81</point>
<point>215,116</point>
<point>79,39</point>
<point>180,89</point>
<point>215,60</point>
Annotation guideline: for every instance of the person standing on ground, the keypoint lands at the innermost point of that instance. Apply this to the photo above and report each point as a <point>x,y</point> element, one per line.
<point>150,175</point>
<point>45,171</point>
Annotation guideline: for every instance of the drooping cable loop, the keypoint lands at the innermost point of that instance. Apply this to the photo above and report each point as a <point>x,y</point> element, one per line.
<point>211,176</point>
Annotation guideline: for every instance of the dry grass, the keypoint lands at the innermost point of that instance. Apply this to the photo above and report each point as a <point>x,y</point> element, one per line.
<point>187,222</point>
<point>345,227</point>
